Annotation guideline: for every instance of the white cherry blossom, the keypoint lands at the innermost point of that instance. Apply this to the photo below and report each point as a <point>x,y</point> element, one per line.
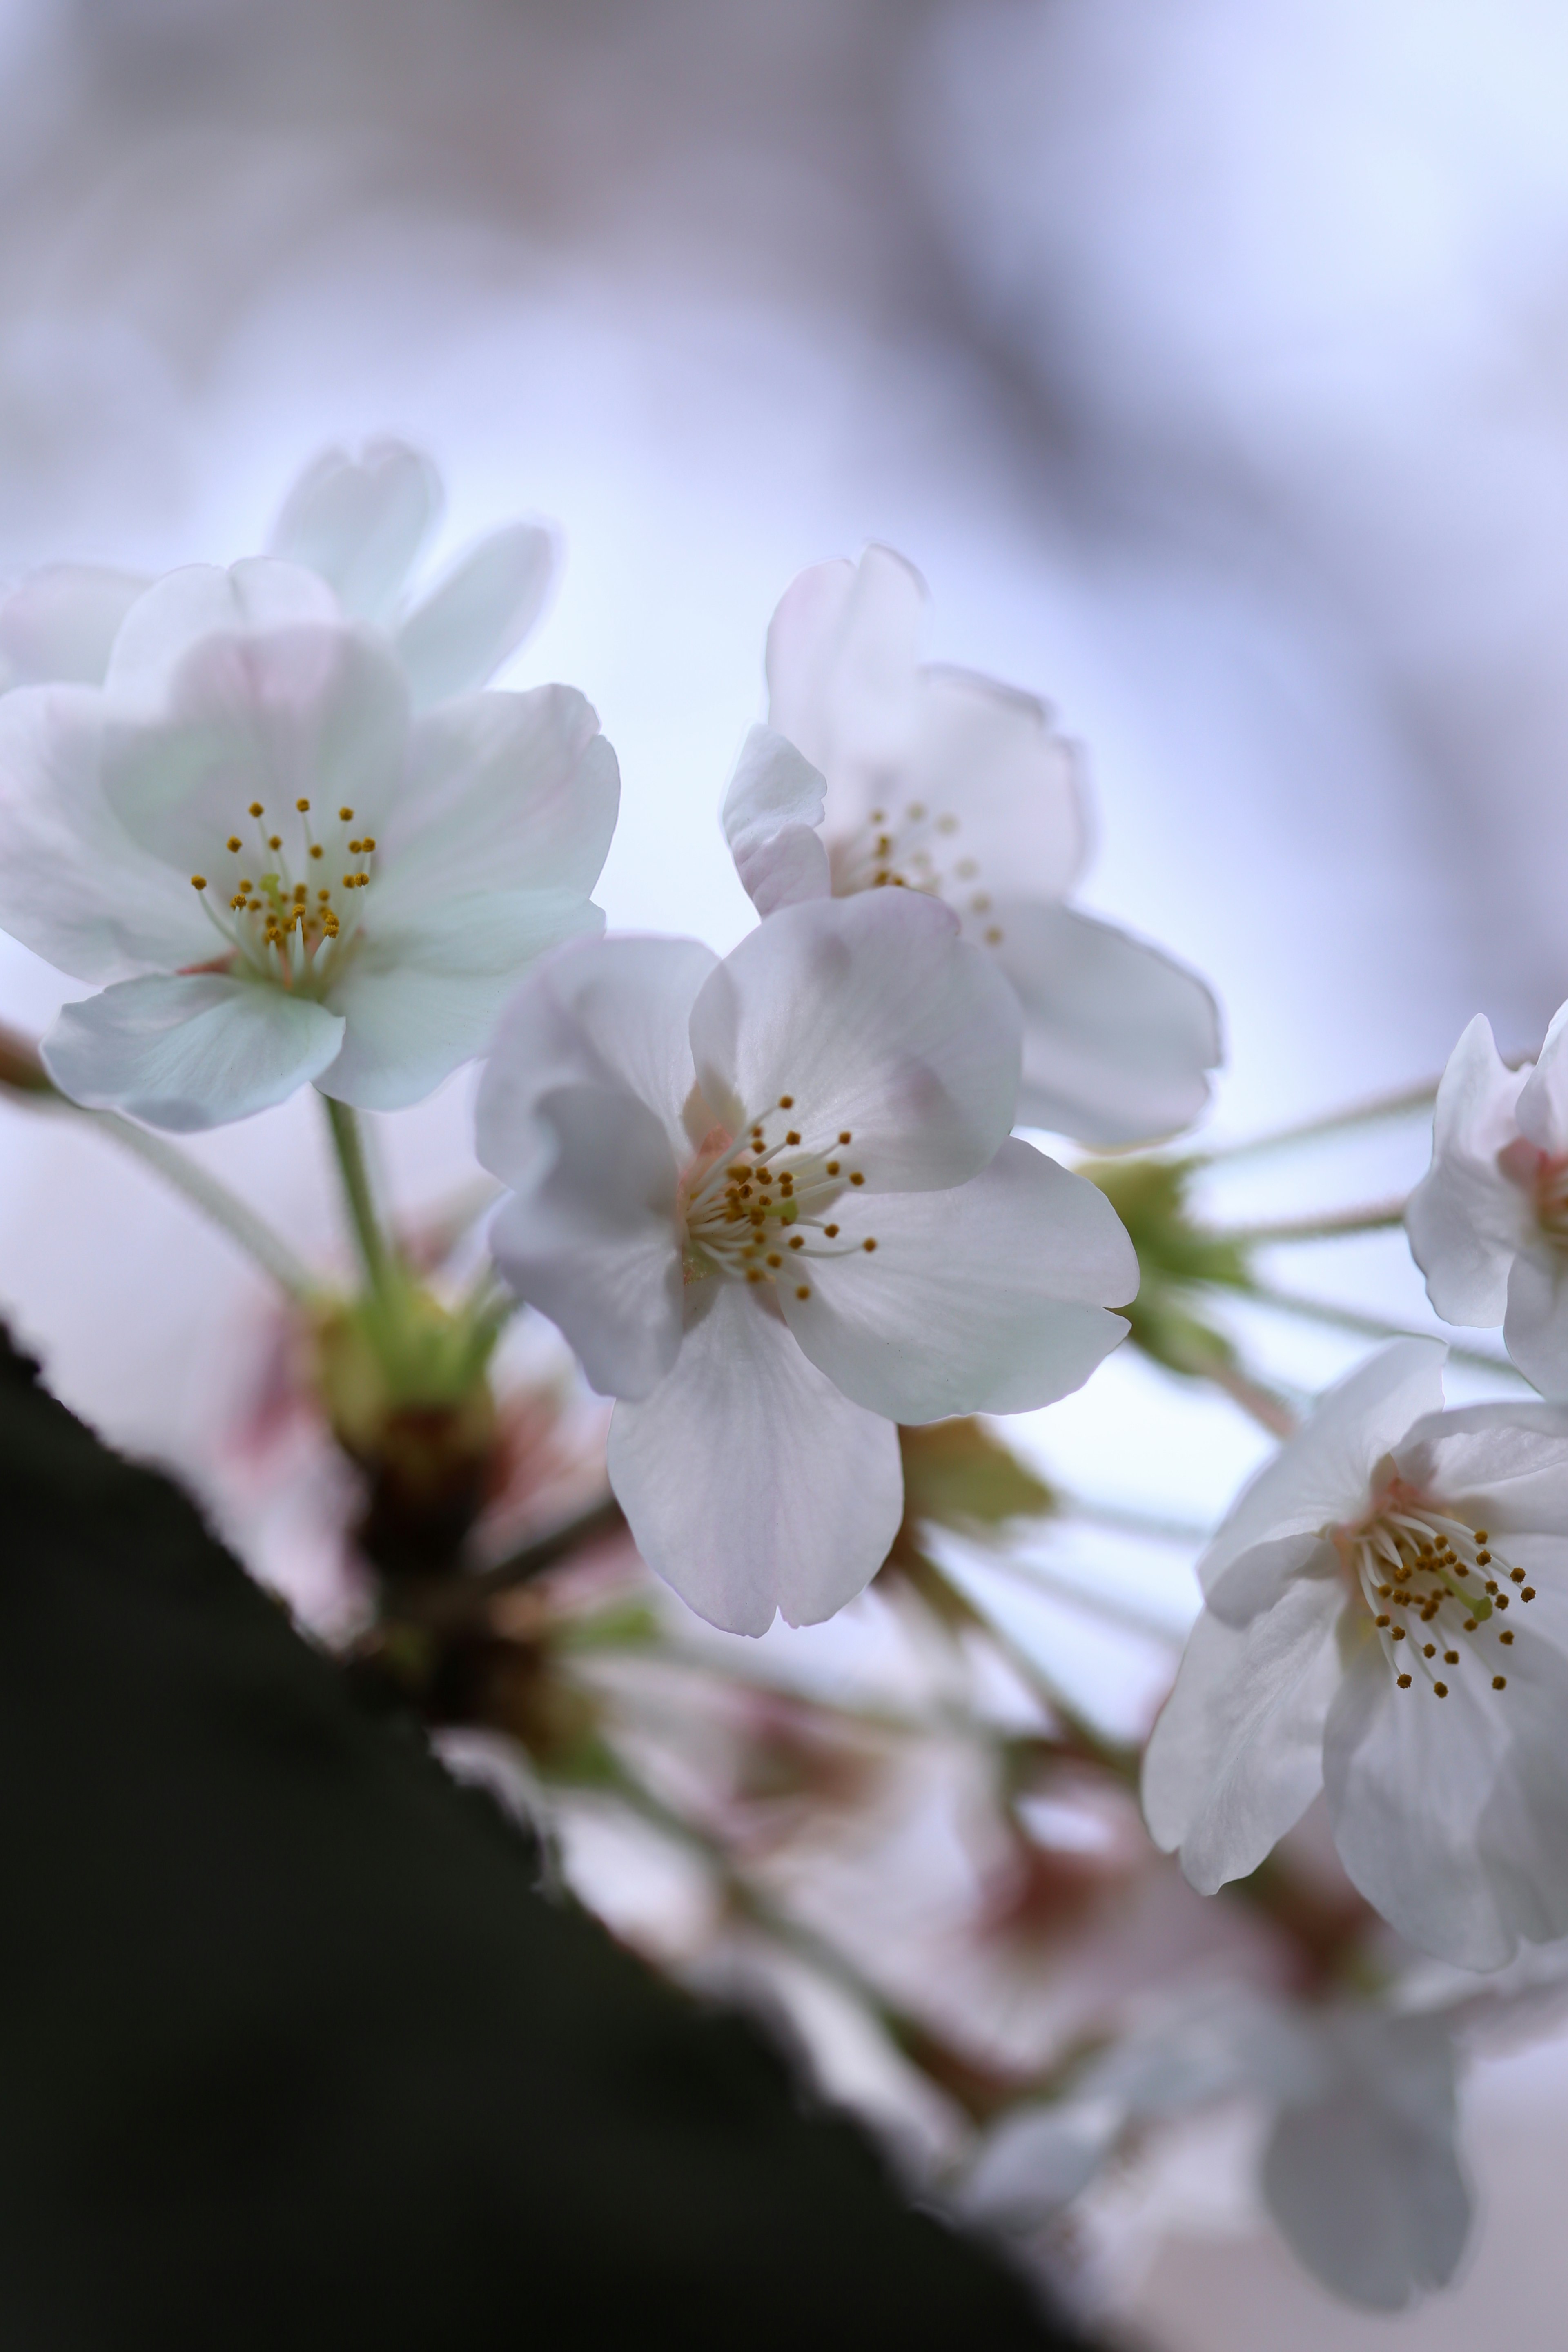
<point>361,525</point>
<point>1488,1223</point>
<point>774,1204</point>
<point>877,771</point>
<point>277,869</point>
<point>1386,1618</point>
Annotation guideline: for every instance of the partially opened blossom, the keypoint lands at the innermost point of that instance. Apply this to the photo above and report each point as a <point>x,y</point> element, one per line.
<point>1488,1223</point>
<point>877,771</point>
<point>1360,2170</point>
<point>361,525</point>
<point>279,871</point>
<point>774,1204</point>
<point>1385,1619</point>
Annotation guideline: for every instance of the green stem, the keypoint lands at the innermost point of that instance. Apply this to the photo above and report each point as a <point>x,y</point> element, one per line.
<point>1366,1114</point>
<point>348,1145</point>
<point>1333,1226</point>
<point>1372,1327</point>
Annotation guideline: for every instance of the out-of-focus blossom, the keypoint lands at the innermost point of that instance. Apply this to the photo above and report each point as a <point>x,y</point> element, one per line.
<point>1359,1633</point>
<point>1360,2171</point>
<point>1489,1224</point>
<point>362,525</point>
<point>773,1205</point>
<point>281,871</point>
<point>877,770</point>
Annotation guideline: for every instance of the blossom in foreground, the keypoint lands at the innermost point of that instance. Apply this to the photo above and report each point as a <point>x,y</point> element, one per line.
<point>1360,2170</point>
<point>773,1205</point>
<point>280,872</point>
<point>877,771</point>
<point>1488,1223</point>
<point>361,525</point>
<point>1384,1619</point>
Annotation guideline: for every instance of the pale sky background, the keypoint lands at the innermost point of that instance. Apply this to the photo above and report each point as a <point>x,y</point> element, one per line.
<point>1210,358</point>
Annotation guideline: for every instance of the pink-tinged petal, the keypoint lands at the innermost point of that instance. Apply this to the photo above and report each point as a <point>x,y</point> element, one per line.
<point>500,792</point>
<point>1236,1757</point>
<point>1118,1039</point>
<point>200,601</point>
<point>602,1013</point>
<point>749,1483</point>
<point>1535,1320</point>
<point>1467,1219</point>
<point>1451,1814</point>
<point>842,667</point>
<point>189,1051</point>
<point>877,1021</point>
<point>61,621</point>
<point>74,886</point>
<point>1364,2180</point>
<point>772,811</point>
<point>1321,1477</point>
<point>478,615</point>
<point>313,713</point>
<point>420,997</point>
<point>362,523</point>
<point>591,1240</point>
<point>988,1299</point>
<point>1543,1098</point>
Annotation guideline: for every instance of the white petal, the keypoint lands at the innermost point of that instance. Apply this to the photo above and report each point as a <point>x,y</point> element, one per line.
<point>841,664</point>
<point>1465,1219</point>
<point>1543,1098</point>
<point>1506,1465</point>
<point>988,1299</point>
<point>422,995</point>
<point>1236,1757</point>
<point>476,617</point>
<point>312,713</point>
<point>873,1014</point>
<point>592,1241</point>
<point>606,1012</point>
<point>750,1484</point>
<point>1451,1815</point>
<point>502,792</point>
<point>61,621</point>
<point>189,1051</point>
<point>1321,1475</point>
<point>1117,1039</point>
<point>1365,2181</point>
<point>1037,2158</point>
<point>74,886</point>
<point>1535,1322</point>
<point>988,757</point>
<point>201,601</point>
<point>362,523</point>
<point>770,813</point>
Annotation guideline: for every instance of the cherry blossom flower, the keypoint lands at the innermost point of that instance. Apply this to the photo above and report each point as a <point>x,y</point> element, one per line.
<point>1384,1619</point>
<point>1360,2172</point>
<point>361,525</point>
<point>280,871</point>
<point>773,1205</point>
<point>875,770</point>
<point>1488,1223</point>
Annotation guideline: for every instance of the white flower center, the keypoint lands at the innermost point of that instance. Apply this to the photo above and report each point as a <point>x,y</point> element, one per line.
<point>290,903</point>
<point>1435,1591</point>
<point>761,1213</point>
<point>913,852</point>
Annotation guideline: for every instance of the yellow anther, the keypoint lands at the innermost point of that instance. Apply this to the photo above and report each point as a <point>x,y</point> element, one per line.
<point>275,841</point>
<point>786,1102</point>
<point>916,812</point>
<point>234,841</point>
<point>1482,1535</point>
<point>1516,1574</point>
<point>1506,1638</point>
<point>846,1136</point>
<point>1383,1620</point>
<point>1428,1649</point>
<point>1441,1689</point>
<point>831,1230</point>
<point>993,935</point>
<point>1499,1682</point>
<point>316,850</point>
<point>348,881</point>
<point>1528,1592</point>
<point>346,815</point>
<point>774,1258</point>
<point>1397,1635</point>
<point>833,1166</point>
<point>1469,1625</point>
<point>198,881</point>
<point>754,1274</point>
<point>325,897</point>
<point>368,844</point>
<point>855,1177</point>
<point>1450,1657</point>
<point>299,891</point>
<point>869,1242</point>
<point>301,806</point>
<point>1404,1681</point>
<point>354,848</point>
<point>797,1240</point>
<point>793,1135</point>
<point>256,808</point>
<point>802,1290</point>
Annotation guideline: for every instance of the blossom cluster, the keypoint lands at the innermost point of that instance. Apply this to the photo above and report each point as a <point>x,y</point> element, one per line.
<point>282,824</point>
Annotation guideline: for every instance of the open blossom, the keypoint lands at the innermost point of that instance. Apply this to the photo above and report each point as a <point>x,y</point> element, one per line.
<point>1361,2171</point>
<point>1386,1618</point>
<point>877,771</point>
<point>773,1205</point>
<point>278,870</point>
<point>362,525</point>
<point>1488,1223</point>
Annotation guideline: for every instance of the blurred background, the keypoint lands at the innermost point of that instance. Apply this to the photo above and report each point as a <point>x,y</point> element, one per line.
<point>1209,357</point>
